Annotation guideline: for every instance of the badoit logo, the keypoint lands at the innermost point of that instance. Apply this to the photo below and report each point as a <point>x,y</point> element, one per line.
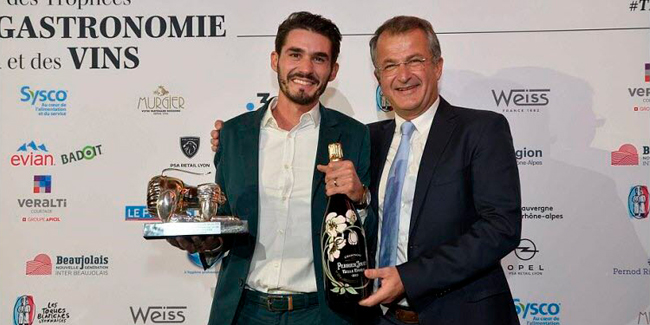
<point>86,153</point>
<point>158,314</point>
<point>32,154</point>
<point>46,102</point>
<point>542,313</point>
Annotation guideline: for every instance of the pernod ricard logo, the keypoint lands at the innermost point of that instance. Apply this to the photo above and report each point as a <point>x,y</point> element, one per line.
<point>161,103</point>
<point>521,100</point>
<point>158,314</point>
<point>46,102</point>
<point>43,206</point>
<point>32,154</point>
<point>637,202</point>
<point>25,312</point>
<point>538,313</point>
<point>525,252</point>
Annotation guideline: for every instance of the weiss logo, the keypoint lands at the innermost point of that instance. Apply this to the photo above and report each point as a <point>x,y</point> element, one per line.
<point>159,314</point>
<point>522,97</point>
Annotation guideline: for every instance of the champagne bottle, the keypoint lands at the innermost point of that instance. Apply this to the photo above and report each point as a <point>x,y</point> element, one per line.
<point>343,247</point>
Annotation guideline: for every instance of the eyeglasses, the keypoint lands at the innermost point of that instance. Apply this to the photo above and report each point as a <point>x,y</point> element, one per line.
<point>414,64</point>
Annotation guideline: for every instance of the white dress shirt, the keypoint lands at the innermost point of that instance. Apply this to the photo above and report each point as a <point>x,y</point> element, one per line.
<point>283,261</point>
<point>418,141</point>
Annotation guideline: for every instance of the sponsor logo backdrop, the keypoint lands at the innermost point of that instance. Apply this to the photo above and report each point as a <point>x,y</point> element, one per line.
<point>96,97</point>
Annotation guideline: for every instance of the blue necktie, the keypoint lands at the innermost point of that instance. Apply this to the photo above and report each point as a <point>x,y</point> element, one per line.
<point>393,199</point>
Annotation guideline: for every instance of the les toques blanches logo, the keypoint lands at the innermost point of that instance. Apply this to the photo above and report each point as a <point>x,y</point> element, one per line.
<point>637,202</point>
<point>25,312</point>
<point>45,102</point>
<point>82,265</point>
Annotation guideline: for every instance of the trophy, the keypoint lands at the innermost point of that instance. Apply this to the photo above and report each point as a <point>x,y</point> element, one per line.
<point>187,210</point>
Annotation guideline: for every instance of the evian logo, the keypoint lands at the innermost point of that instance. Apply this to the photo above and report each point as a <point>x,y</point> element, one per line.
<point>32,154</point>
<point>522,97</point>
<point>159,314</point>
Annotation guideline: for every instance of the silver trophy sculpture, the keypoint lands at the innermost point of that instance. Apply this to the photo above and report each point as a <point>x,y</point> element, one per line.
<point>187,210</point>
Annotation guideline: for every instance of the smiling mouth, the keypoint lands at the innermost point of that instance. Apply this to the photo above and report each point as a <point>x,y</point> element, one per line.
<point>406,88</point>
<point>303,82</point>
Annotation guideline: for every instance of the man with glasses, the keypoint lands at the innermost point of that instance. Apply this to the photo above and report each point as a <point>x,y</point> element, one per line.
<point>447,192</point>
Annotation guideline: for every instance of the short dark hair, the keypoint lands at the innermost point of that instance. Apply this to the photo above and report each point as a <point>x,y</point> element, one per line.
<point>313,23</point>
<point>404,24</point>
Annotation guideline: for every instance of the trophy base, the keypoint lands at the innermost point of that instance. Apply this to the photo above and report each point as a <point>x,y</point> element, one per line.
<point>212,228</point>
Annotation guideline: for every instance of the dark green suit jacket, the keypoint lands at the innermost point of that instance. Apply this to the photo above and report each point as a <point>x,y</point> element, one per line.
<point>237,174</point>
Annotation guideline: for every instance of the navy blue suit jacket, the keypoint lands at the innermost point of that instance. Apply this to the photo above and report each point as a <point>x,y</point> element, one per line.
<point>466,217</point>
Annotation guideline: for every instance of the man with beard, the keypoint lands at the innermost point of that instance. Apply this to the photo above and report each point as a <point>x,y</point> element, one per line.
<point>265,166</point>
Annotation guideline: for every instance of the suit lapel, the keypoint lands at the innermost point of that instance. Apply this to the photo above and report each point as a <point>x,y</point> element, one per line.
<point>249,142</point>
<point>329,133</point>
<point>441,129</point>
<point>385,138</point>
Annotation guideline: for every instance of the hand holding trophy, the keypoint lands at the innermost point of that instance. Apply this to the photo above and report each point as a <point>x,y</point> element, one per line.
<point>187,210</point>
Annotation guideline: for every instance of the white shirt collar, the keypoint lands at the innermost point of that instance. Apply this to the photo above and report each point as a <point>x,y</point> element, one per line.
<point>423,122</point>
<point>310,118</point>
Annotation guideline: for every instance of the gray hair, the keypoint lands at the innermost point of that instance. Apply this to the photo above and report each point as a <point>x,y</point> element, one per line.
<point>401,25</point>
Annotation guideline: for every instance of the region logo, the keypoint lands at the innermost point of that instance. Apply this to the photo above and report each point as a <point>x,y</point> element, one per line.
<point>40,265</point>
<point>161,103</point>
<point>525,252</point>
<point>190,146</point>
<point>42,184</point>
<point>24,310</point>
<point>382,103</point>
<point>538,313</point>
<point>264,99</point>
<point>637,202</point>
<point>32,154</point>
<point>626,155</point>
<point>541,213</point>
<point>138,213</point>
<point>529,157</point>
<point>86,153</point>
<point>521,100</point>
<point>46,102</point>
<point>158,314</point>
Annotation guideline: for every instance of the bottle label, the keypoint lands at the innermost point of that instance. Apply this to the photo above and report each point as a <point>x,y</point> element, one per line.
<point>343,267</point>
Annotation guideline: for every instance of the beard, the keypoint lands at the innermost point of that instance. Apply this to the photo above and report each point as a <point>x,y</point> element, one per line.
<point>301,97</point>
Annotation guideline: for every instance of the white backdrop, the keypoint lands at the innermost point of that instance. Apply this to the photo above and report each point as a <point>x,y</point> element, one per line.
<point>80,257</point>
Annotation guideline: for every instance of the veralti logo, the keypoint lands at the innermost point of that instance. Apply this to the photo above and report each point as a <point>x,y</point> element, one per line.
<point>32,154</point>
